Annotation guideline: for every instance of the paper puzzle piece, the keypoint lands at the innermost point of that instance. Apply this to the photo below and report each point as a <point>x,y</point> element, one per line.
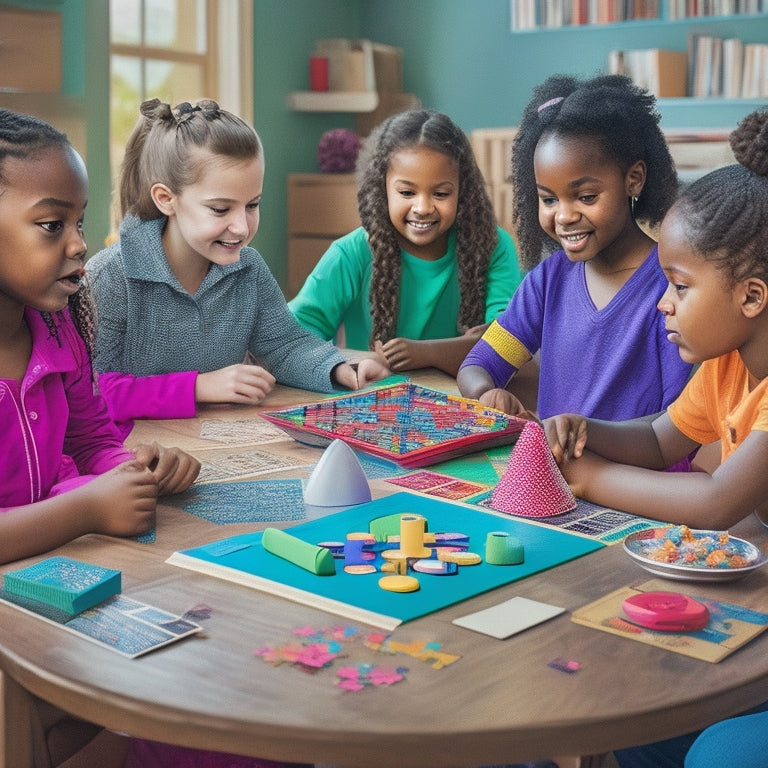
<point>254,501</point>
<point>217,465</point>
<point>358,677</point>
<point>241,432</point>
<point>533,485</point>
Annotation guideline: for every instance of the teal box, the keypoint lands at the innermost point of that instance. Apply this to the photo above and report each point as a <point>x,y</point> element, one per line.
<point>70,585</point>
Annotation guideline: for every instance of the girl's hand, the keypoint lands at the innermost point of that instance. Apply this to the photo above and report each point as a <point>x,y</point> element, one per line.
<point>360,374</point>
<point>370,369</point>
<point>403,354</point>
<point>239,383</point>
<point>567,436</point>
<point>503,400</point>
<point>173,469</point>
<point>121,502</point>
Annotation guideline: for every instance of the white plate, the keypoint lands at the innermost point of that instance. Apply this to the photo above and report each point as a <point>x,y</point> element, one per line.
<point>639,546</point>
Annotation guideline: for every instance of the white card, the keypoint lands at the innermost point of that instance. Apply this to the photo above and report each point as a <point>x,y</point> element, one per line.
<point>509,618</point>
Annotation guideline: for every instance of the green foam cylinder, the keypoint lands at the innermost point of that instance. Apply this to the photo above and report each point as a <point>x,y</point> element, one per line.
<point>503,549</point>
<point>317,560</point>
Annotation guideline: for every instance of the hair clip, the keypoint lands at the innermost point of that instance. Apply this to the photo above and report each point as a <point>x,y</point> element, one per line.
<point>550,103</point>
<point>182,112</point>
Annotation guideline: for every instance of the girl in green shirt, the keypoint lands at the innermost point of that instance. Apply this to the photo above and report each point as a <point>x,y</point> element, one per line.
<point>429,268</point>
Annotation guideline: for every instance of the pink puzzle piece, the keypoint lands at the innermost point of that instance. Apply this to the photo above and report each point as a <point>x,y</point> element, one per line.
<point>533,485</point>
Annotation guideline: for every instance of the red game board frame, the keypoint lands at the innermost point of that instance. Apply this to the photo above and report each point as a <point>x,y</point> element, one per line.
<point>406,423</point>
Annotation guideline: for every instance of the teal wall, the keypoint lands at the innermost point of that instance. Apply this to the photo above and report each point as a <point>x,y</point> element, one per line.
<point>459,57</point>
<point>284,37</point>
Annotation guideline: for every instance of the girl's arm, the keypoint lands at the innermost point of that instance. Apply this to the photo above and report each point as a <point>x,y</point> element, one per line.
<point>736,488</point>
<point>445,354</point>
<point>164,396</point>
<point>120,502</point>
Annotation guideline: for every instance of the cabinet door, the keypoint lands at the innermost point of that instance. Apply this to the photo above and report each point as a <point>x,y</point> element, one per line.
<point>322,204</point>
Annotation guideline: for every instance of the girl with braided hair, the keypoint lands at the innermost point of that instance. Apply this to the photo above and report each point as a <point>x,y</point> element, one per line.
<point>588,162</point>
<point>429,264</point>
<point>63,469</point>
<point>182,300</point>
<point>713,248</point>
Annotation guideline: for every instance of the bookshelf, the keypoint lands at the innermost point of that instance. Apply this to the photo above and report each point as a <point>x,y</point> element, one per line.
<point>583,46</point>
<point>534,15</point>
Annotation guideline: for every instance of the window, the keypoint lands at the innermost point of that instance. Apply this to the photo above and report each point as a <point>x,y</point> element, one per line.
<point>177,50</point>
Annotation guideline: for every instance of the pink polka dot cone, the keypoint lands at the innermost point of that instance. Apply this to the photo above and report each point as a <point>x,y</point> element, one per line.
<point>533,485</point>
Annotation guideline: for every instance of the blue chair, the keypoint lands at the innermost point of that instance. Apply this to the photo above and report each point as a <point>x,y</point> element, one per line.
<point>736,743</point>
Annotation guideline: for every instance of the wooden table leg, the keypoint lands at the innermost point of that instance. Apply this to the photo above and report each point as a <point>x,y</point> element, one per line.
<point>17,719</point>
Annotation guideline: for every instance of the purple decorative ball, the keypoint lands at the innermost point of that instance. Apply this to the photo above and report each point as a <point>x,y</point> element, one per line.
<point>337,151</point>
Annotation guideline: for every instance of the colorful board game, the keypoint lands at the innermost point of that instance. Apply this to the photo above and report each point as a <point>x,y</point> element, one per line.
<point>406,423</point>
<point>244,560</point>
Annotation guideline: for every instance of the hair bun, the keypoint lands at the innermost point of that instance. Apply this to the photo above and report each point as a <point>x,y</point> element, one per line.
<point>154,109</point>
<point>749,142</point>
<point>209,108</point>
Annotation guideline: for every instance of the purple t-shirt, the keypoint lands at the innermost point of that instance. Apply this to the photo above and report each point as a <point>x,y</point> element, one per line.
<point>614,363</point>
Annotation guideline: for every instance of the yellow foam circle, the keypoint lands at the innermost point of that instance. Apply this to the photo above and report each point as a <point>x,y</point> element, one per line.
<point>399,583</point>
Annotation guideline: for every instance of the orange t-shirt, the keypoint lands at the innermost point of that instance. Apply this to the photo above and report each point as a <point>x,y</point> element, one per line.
<point>716,404</point>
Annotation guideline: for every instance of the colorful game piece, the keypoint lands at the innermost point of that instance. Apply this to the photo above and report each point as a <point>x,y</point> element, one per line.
<point>359,569</point>
<point>412,529</point>
<point>435,567</point>
<point>533,485</point>
<point>338,479</point>
<point>460,558</point>
<point>666,611</point>
<point>406,423</point>
<point>501,548</point>
<point>314,559</point>
<point>399,583</point>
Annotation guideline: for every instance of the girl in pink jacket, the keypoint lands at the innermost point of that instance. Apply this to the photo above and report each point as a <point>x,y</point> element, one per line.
<point>57,435</point>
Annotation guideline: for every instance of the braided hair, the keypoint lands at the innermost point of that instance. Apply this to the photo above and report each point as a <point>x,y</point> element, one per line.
<point>475,225</point>
<point>624,121</point>
<point>725,213</point>
<point>164,148</point>
<point>22,137</point>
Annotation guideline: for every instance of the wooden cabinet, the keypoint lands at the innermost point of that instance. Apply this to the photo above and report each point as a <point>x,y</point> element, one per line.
<point>321,208</point>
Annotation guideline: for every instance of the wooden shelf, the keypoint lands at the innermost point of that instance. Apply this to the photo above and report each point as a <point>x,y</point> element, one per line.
<point>333,101</point>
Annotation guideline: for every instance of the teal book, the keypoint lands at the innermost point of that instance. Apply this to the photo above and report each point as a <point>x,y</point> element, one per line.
<point>70,585</point>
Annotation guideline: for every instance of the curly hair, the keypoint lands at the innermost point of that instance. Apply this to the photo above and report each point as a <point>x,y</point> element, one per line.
<point>623,120</point>
<point>23,137</point>
<point>162,149</point>
<point>475,225</point>
<point>725,213</point>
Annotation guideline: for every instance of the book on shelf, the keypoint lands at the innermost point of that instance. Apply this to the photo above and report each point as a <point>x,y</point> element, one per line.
<point>70,585</point>
<point>684,9</point>
<point>662,73</point>
<point>549,14</point>
<point>726,67</point>
<point>754,84</point>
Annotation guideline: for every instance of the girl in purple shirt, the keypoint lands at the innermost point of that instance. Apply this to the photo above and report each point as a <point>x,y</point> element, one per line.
<point>588,163</point>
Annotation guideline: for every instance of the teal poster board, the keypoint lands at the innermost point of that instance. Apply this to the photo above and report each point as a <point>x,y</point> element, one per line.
<point>244,560</point>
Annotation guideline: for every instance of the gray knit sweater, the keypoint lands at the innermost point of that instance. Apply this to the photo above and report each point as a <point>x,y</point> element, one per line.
<point>148,324</point>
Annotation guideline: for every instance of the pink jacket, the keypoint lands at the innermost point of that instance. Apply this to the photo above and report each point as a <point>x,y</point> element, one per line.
<point>56,432</point>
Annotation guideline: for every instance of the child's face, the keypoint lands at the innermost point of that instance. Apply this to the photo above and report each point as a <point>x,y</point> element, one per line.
<point>422,198</point>
<point>216,216</point>
<point>42,250</point>
<point>583,197</point>
<point>703,313</point>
